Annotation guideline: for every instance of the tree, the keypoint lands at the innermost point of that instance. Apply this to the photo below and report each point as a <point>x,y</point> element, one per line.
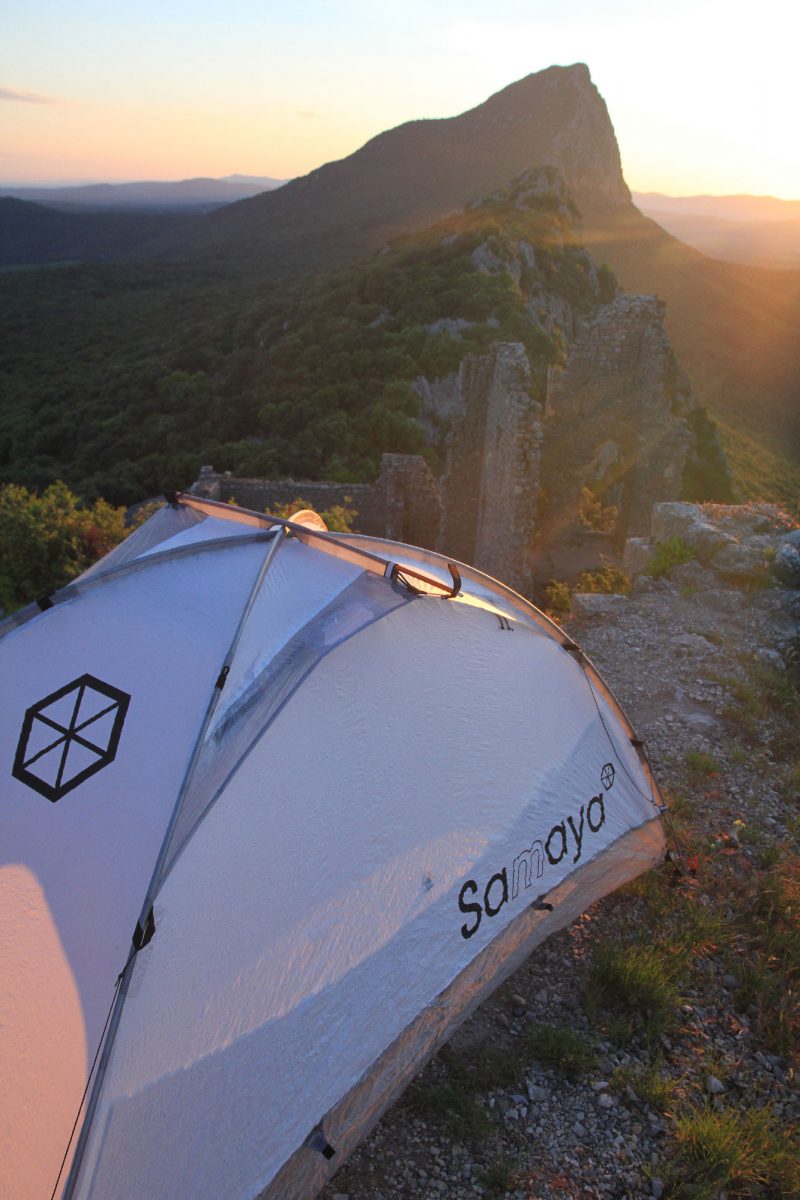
<point>48,539</point>
<point>339,517</point>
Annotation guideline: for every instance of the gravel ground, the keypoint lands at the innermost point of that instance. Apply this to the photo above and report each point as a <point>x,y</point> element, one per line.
<point>682,662</point>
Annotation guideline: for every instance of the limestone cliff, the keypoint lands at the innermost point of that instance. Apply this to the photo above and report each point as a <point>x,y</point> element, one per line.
<point>552,402</point>
<point>553,460</point>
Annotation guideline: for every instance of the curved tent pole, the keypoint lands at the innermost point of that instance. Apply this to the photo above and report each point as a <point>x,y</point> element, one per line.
<point>146,926</point>
<point>343,547</point>
<point>329,543</point>
<point>266,528</point>
<point>80,586</point>
<point>551,629</point>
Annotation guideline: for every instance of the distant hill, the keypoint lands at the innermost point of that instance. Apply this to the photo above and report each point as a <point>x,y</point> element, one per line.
<point>740,209</point>
<point>32,234</point>
<point>734,326</point>
<point>757,230</point>
<point>200,194</point>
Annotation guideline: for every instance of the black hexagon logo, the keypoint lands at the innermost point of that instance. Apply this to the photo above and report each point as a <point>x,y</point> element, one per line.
<point>69,736</point>
<point>607,775</point>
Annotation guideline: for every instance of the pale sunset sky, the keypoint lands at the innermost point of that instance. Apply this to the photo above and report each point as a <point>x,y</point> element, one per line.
<point>703,94</point>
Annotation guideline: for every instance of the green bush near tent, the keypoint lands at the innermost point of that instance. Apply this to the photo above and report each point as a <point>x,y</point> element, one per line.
<point>48,539</point>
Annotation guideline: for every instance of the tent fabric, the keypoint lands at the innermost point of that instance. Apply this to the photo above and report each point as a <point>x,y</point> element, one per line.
<point>306,1172</point>
<point>375,798</point>
<point>88,854</point>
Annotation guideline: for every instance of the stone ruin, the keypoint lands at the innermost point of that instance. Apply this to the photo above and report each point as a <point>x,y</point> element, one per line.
<point>403,504</point>
<point>532,489</point>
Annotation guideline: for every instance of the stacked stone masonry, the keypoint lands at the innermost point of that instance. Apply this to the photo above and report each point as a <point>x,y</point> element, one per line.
<point>402,504</point>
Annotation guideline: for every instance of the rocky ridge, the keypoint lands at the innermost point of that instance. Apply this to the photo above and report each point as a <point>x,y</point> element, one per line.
<point>706,666</point>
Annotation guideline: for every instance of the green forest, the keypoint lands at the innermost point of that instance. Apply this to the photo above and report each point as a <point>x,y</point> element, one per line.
<point>121,380</point>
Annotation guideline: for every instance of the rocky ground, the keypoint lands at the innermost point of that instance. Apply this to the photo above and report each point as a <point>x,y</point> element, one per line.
<point>650,1049</point>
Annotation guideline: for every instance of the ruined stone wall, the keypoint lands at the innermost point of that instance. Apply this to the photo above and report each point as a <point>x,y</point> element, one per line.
<point>491,481</point>
<point>403,503</point>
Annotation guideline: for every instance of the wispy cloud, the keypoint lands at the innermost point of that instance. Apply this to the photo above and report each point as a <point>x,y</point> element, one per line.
<point>13,94</point>
<point>310,115</point>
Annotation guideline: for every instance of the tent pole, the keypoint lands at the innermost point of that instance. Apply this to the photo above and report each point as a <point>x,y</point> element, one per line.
<point>127,971</point>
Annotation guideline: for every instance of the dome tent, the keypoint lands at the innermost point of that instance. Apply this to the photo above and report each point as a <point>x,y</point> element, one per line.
<point>336,788</point>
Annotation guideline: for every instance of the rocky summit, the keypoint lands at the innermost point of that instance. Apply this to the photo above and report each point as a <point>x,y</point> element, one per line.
<point>407,177</point>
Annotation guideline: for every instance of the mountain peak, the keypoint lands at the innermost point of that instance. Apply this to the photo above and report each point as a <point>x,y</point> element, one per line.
<point>409,177</point>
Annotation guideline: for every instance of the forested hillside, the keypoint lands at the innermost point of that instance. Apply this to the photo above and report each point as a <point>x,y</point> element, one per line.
<point>124,380</point>
<point>32,233</point>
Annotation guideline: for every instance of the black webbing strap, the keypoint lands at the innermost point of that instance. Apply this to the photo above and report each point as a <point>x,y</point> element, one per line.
<point>317,1141</point>
<point>143,934</point>
<point>406,576</point>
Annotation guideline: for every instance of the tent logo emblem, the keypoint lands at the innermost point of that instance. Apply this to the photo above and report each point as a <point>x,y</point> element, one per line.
<point>69,736</point>
<point>607,776</point>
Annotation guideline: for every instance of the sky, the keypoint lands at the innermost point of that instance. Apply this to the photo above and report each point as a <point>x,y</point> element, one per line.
<point>702,93</point>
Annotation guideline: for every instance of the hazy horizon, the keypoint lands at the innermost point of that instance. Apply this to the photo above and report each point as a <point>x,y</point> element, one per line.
<point>18,185</point>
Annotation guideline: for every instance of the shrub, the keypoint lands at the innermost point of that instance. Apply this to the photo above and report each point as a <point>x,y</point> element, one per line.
<point>668,554</point>
<point>596,515</point>
<point>48,539</point>
<point>454,1098</point>
<point>558,598</point>
<point>339,517</point>
<point>451,1105</point>
<point>498,1178</point>
<point>609,579</point>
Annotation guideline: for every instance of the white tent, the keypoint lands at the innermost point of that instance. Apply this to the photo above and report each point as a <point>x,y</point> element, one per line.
<point>335,788</point>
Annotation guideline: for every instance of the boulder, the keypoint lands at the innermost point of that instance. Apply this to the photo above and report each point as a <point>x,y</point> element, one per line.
<point>691,576</point>
<point>700,723</point>
<point>692,644</point>
<point>786,565</point>
<point>721,601</point>
<point>705,539</point>
<point>674,518</point>
<point>740,561</point>
<point>641,584</point>
<point>597,604</point>
<point>636,555</point>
